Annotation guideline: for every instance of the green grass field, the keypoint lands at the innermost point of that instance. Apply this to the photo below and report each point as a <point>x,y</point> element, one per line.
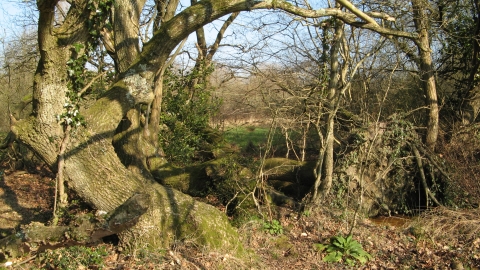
<point>251,139</point>
<point>245,136</point>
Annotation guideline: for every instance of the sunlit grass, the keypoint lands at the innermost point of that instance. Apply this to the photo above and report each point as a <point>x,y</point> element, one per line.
<point>246,137</point>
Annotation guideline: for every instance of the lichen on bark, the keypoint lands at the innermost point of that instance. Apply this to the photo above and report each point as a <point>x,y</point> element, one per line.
<point>139,88</point>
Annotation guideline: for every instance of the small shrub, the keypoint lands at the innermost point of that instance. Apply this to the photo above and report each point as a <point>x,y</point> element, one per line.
<point>273,227</point>
<point>346,249</point>
<point>188,105</point>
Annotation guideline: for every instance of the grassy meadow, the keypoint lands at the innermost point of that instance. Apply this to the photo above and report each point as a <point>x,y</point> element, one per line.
<point>251,139</point>
<point>248,138</point>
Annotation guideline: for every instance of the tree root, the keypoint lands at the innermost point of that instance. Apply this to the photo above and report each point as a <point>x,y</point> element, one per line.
<point>85,230</point>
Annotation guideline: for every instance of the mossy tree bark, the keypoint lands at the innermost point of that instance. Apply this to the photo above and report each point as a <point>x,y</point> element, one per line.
<point>132,146</point>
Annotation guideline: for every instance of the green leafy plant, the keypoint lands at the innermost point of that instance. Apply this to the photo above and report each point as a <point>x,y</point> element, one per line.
<point>273,227</point>
<point>346,249</point>
<point>80,54</point>
<point>74,257</point>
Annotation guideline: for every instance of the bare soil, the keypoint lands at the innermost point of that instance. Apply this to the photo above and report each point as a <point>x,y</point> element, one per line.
<point>394,243</point>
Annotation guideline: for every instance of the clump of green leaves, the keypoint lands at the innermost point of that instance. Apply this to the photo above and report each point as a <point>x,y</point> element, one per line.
<point>77,73</point>
<point>100,18</point>
<point>273,227</point>
<point>74,257</point>
<point>188,105</point>
<point>346,249</point>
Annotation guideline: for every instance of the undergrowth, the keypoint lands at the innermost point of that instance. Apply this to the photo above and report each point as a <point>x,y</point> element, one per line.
<point>344,249</point>
<point>74,257</point>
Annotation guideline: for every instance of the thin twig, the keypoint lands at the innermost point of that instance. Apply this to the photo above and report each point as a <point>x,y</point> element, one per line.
<point>59,181</point>
<point>84,89</point>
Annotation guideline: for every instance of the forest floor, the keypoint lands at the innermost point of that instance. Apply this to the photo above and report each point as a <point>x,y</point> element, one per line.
<point>441,239</point>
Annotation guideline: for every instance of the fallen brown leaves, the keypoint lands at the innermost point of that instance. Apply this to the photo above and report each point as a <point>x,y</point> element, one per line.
<point>438,239</point>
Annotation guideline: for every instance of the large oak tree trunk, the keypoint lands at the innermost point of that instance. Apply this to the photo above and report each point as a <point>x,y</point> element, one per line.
<point>95,172</point>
